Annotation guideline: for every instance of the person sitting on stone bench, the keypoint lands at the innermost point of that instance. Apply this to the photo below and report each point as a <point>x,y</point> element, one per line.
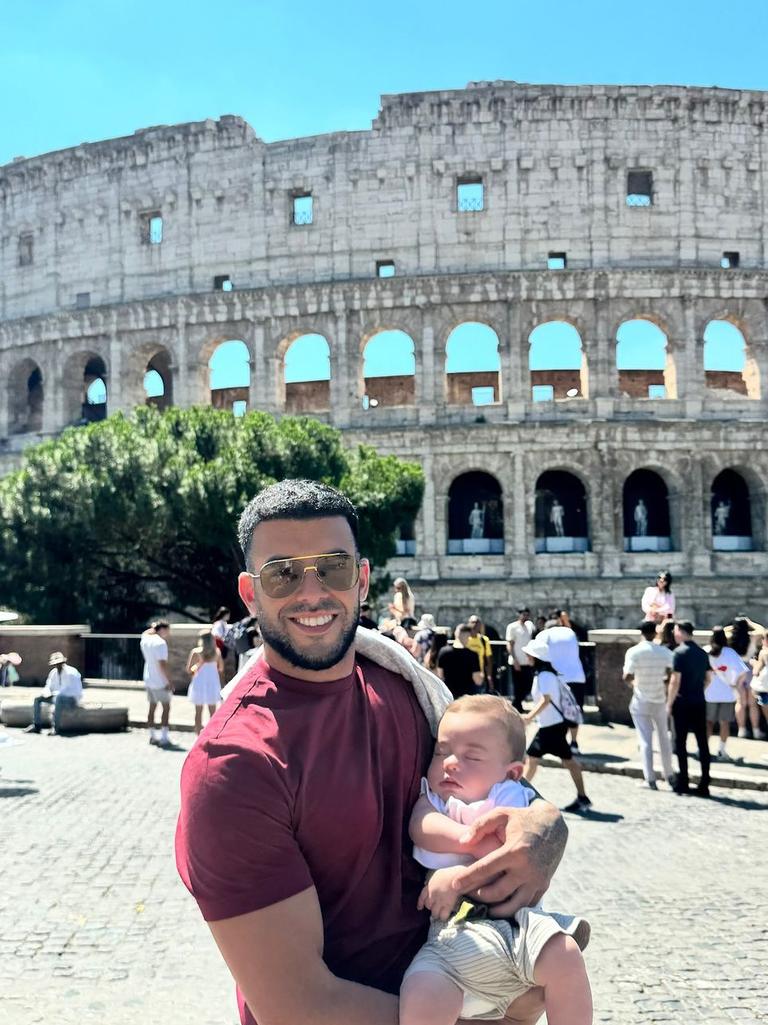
<point>63,689</point>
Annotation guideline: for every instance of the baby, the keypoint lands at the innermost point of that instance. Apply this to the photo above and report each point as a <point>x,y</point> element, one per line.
<point>473,966</point>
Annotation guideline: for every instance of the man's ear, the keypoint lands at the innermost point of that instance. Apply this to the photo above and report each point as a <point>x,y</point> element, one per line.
<point>245,588</point>
<point>365,579</point>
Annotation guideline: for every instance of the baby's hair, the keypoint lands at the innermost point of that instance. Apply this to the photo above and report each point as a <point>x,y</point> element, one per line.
<point>500,709</point>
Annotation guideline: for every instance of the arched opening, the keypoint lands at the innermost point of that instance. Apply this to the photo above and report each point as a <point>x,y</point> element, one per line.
<point>475,515</point>
<point>561,519</point>
<point>645,365</point>
<point>472,365</point>
<point>727,367</point>
<point>94,407</point>
<point>230,375</point>
<point>646,513</point>
<point>158,380</point>
<point>731,509</point>
<point>25,398</point>
<point>405,541</point>
<point>307,374</point>
<point>557,362</point>
<point>389,370</point>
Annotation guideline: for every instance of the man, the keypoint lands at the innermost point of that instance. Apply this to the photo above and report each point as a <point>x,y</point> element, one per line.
<point>691,675</point>
<point>292,833</point>
<point>517,635</point>
<point>63,689</point>
<point>458,666</point>
<point>647,667</point>
<point>566,661</point>
<point>154,648</point>
<point>479,643</point>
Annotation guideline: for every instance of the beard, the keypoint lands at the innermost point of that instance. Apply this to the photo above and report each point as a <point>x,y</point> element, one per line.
<point>315,657</point>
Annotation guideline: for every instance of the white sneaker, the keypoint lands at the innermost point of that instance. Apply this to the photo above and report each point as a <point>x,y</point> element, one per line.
<point>154,737</point>
<point>164,737</point>
<point>743,733</point>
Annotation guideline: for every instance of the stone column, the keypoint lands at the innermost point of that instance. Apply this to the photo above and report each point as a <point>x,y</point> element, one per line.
<point>426,378</point>
<point>5,369</point>
<point>601,360</point>
<point>119,388</point>
<point>180,370</point>
<point>687,352</point>
<point>428,543</point>
<point>515,378</point>
<point>698,538</point>
<point>262,389</point>
<point>54,385</point>
<point>343,376</point>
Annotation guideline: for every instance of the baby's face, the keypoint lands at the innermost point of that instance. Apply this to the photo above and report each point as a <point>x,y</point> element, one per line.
<point>471,754</point>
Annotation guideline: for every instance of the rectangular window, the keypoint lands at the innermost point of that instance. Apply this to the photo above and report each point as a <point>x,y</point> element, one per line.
<point>639,188</point>
<point>470,196</point>
<point>542,393</point>
<point>729,261</point>
<point>385,268</point>
<point>222,283</point>
<point>152,228</point>
<point>26,249</point>
<point>303,208</point>
<point>484,396</point>
<point>657,391</point>
<point>82,300</point>
<point>556,261</point>
<point>239,407</point>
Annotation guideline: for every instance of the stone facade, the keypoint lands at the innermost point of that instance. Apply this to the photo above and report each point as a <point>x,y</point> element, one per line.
<point>86,293</point>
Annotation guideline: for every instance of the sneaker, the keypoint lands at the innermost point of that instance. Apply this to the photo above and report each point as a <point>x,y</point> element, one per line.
<point>701,791</point>
<point>153,737</point>
<point>648,784</point>
<point>579,805</point>
<point>743,733</point>
<point>760,735</point>
<point>723,756</point>
<point>574,748</point>
<point>31,729</point>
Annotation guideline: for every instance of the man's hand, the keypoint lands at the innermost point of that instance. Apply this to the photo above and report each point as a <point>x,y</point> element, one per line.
<point>517,875</point>
<point>438,894</point>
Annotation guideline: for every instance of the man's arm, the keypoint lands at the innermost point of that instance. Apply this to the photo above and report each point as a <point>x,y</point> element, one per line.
<point>163,664</point>
<point>276,957</point>
<point>674,687</point>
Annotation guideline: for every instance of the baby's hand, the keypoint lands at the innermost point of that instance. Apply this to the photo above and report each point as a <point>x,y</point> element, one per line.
<point>438,894</point>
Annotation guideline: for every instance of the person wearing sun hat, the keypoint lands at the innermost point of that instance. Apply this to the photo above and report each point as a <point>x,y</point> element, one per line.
<point>63,689</point>
<point>8,663</point>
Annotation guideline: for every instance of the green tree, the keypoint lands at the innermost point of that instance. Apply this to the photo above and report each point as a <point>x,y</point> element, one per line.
<point>118,521</point>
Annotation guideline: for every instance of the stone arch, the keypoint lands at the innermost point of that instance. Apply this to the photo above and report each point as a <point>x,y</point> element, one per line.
<point>644,359</point>
<point>561,516</point>
<point>729,366</point>
<point>646,512</point>
<point>229,366</point>
<point>472,365</point>
<point>25,398</point>
<point>388,369</point>
<point>158,379</point>
<point>731,511</point>
<point>475,515</point>
<point>557,361</point>
<point>305,367</point>
<point>84,388</point>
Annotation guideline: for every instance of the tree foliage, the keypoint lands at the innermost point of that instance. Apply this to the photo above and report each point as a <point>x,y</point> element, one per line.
<point>113,523</point>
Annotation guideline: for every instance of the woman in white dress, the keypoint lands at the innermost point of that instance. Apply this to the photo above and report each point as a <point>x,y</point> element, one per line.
<point>403,604</point>
<point>658,602</point>
<point>206,665</point>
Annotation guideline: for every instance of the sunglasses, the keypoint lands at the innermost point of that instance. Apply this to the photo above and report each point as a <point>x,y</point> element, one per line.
<point>281,578</point>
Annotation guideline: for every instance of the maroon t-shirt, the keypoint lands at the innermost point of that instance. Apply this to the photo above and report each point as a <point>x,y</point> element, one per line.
<point>294,784</point>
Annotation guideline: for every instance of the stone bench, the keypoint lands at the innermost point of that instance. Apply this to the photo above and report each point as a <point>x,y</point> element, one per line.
<point>90,717</point>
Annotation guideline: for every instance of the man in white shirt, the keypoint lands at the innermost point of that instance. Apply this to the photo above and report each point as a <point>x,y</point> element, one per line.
<point>647,667</point>
<point>63,689</point>
<point>566,661</point>
<point>154,648</point>
<point>518,634</point>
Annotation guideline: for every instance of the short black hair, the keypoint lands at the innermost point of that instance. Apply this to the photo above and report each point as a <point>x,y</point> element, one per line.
<point>648,628</point>
<point>685,625</point>
<point>294,500</point>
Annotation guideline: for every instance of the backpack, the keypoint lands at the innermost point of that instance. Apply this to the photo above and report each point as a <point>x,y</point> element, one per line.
<point>569,706</point>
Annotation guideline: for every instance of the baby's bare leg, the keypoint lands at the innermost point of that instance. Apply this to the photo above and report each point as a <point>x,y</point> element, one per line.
<point>428,998</point>
<point>560,969</point>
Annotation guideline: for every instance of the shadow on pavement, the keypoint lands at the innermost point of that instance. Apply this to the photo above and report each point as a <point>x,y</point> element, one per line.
<point>597,756</point>
<point>735,803</point>
<point>590,815</point>
<point>17,791</point>
<point>171,746</point>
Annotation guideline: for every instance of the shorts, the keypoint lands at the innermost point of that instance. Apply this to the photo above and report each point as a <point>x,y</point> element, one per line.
<point>492,960</point>
<point>721,711</point>
<point>159,695</point>
<point>762,697</point>
<point>551,740</point>
<point>579,691</point>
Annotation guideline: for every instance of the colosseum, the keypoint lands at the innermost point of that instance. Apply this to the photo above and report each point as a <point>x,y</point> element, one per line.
<point>468,276</point>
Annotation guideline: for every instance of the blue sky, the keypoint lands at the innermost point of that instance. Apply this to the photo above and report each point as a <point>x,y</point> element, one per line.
<point>74,70</point>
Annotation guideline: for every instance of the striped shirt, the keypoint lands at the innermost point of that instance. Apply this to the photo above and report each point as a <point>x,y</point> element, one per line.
<point>648,663</point>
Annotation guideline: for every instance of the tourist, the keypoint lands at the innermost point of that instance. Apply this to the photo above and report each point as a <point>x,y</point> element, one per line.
<point>686,704</point>
<point>647,667</point>
<point>549,712</point>
<point>9,662</point>
<point>292,834</point>
<point>458,666</point>
<point>63,689</point>
<point>745,637</point>
<point>205,665</point>
<point>665,634</point>
<point>154,648</point>
<point>403,601</point>
<point>728,672</point>
<point>658,602</point>
<point>563,647</point>
<point>219,629</point>
<point>472,966</point>
<point>759,681</point>
<point>481,645</point>
<point>425,631</point>
<point>439,640</point>
<point>517,635</point>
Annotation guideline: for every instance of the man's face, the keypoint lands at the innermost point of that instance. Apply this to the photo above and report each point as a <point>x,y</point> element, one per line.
<point>313,628</point>
<point>474,625</point>
<point>523,615</point>
<point>680,637</point>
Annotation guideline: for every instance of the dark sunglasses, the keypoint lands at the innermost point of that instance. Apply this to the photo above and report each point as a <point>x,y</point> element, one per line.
<point>283,577</point>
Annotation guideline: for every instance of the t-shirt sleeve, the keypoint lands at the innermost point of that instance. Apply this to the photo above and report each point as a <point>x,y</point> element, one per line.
<point>511,794</point>
<point>669,658</point>
<point>629,663</point>
<point>236,850</point>
<point>162,651</point>
<point>509,634</point>
<point>678,661</point>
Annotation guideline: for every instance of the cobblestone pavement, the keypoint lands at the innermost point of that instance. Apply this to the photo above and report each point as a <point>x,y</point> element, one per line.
<point>96,926</point>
